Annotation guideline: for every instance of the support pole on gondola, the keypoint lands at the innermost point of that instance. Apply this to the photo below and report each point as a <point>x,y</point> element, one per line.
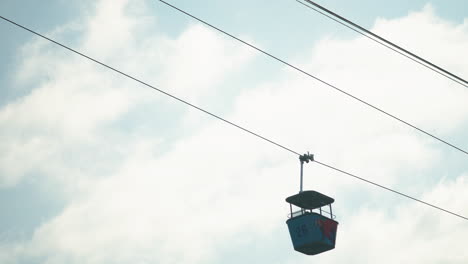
<point>304,158</point>
<point>302,168</point>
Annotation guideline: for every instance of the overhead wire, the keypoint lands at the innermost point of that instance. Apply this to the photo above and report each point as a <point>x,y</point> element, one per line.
<point>218,117</point>
<point>147,84</point>
<point>389,189</point>
<point>320,80</point>
<point>384,42</point>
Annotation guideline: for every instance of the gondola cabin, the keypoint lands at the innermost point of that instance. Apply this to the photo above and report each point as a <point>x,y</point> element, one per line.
<point>312,229</point>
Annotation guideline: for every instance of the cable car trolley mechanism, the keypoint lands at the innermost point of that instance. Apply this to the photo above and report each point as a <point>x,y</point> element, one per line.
<point>312,229</point>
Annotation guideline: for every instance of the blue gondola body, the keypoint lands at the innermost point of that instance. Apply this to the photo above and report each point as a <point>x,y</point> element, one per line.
<point>312,233</point>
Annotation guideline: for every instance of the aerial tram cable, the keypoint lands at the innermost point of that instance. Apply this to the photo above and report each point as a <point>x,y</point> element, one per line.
<point>382,41</point>
<point>220,118</point>
<point>389,189</point>
<point>320,80</point>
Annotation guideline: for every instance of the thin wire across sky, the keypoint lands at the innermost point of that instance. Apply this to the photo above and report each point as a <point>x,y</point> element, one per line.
<point>382,41</point>
<point>320,80</point>
<point>225,120</point>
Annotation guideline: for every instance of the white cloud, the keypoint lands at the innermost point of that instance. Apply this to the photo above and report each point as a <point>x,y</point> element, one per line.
<point>184,203</point>
<point>395,83</point>
<point>200,59</point>
<point>76,102</point>
<point>414,233</point>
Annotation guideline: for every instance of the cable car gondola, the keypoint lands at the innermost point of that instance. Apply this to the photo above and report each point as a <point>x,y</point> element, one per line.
<point>311,230</point>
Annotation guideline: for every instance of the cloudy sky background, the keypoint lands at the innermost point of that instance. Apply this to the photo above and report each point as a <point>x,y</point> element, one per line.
<point>96,168</point>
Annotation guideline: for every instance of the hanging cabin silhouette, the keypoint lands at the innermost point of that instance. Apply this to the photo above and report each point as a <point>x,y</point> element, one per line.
<point>312,229</point>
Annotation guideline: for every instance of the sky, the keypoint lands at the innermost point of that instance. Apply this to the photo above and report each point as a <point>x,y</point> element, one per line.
<point>97,168</point>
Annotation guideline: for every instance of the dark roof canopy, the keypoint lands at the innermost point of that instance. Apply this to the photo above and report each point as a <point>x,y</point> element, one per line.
<point>309,200</point>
